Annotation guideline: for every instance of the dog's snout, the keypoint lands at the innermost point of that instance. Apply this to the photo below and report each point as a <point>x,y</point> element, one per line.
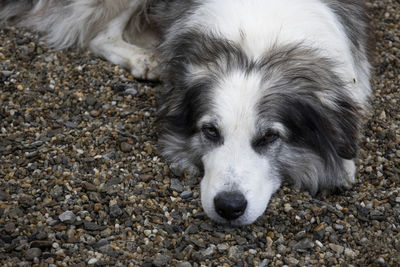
<point>230,205</point>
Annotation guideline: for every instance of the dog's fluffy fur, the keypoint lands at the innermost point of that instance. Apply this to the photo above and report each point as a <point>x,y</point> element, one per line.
<point>259,91</point>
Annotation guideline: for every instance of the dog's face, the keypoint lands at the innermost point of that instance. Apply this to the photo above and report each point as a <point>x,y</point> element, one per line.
<point>249,125</point>
<point>240,148</point>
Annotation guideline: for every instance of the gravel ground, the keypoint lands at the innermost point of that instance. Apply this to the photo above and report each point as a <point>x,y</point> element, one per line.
<point>81,182</point>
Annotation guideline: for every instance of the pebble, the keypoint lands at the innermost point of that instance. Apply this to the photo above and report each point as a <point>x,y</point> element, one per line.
<point>33,253</point>
<point>100,243</point>
<point>176,185</point>
<point>10,227</point>
<point>92,261</point>
<point>303,245</point>
<point>90,226</point>
<point>131,91</point>
<point>67,217</point>
<point>42,244</point>
<point>350,253</point>
<point>126,147</point>
<point>115,211</point>
<point>337,248</point>
<point>234,252</point>
<point>186,194</point>
<point>184,264</point>
<point>222,247</point>
<point>6,73</point>
<point>161,260</point>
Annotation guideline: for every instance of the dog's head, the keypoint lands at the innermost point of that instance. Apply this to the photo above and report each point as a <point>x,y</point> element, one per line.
<point>249,124</point>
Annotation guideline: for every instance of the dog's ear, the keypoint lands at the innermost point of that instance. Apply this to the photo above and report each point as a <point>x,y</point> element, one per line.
<point>346,120</point>
<point>329,130</point>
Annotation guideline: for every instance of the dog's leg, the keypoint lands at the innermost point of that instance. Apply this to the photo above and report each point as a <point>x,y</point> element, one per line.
<point>110,44</point>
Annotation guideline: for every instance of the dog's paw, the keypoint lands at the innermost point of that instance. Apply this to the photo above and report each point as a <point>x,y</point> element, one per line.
<point>350,173</point>
<point>145,67</point>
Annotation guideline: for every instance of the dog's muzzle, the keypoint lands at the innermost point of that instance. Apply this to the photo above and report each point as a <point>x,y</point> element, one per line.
<point>230,205</point>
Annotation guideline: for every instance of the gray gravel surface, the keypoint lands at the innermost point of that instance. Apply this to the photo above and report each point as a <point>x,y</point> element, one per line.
<point>81,182</point>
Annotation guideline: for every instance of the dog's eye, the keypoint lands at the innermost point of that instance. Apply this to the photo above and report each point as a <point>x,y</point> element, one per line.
<point>267,139</point>
<point>211,132</point>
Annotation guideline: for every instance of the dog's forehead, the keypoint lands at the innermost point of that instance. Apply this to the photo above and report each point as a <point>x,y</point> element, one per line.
<point>235,99</point>
<point>235,105</point>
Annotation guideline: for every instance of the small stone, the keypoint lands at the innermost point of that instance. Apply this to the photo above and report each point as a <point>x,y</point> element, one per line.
<point>381,261</point>
<point>303,245</point>
<point>287,207</point>
<point>57,191</point>
<point>6,73</point>
<point>95,113</point>
<point>207,253</point>
<point>115,211</point>
<point>350,253</point>
<point>184,264</point>
<point>252,251</point>
<point>264,263</point>
<point>42,244</point>
<point>33,253</point>
<point>269,241</point>
<point>176,185</point>
<point>186,194</point>
<point>67,217</point>
<point>4,196</point>
<point>319,244</point>
<point>292,261</point>
<point>364,241</point>
<point>130,91</point>
<point>320,227</point>
<point>382,116</point>
<point>147,232</point>
<point>108,250</point>
<point>100,243</point>
<point>161,260</point>
<point>234,252</point>
<point>92,261</point>
<point>60,252</point>
<point>90,226</point>
<point>376,215</point>
<point>89,186</point>
<point>337,248</point>
<point>300,235</point>
<point>126,147</point>
<point>338,226</point>
<point>222,247</point>
<point>91,100</point>
<point>192,229</point>
<point>206,226</point>
<point>10,227</point>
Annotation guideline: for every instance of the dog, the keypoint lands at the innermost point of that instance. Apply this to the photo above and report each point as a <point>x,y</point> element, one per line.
<point>258,91</point>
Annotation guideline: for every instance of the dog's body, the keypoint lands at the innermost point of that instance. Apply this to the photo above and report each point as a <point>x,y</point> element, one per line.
<point>259,90</point>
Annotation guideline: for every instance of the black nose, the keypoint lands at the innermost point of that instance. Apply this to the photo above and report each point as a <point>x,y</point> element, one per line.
<point>230,205</point>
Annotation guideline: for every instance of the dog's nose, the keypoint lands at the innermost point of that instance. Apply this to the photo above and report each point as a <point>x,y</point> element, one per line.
<point>230,205</point>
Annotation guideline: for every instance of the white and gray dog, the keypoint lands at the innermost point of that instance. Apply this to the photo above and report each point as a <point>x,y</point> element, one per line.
<point>259,91</point>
